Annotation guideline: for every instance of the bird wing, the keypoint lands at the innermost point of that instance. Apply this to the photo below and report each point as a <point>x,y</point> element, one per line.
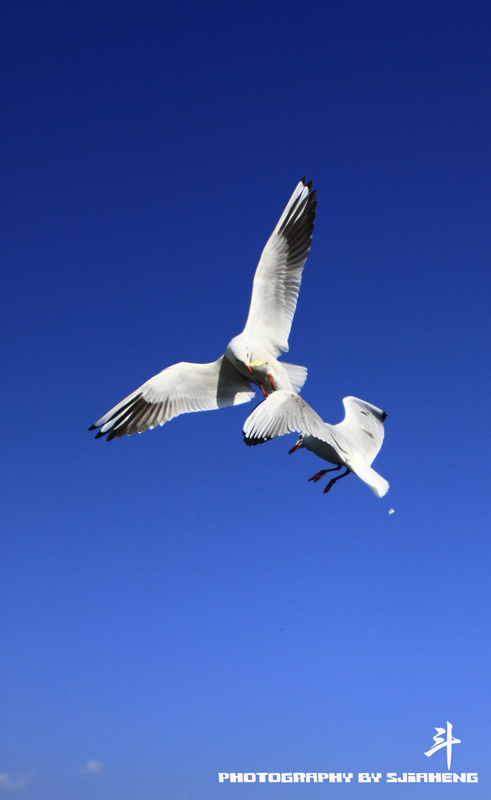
<point>283,412</point>
<point>279,272</point>
<point>363,425</point>
<point>176,390</point>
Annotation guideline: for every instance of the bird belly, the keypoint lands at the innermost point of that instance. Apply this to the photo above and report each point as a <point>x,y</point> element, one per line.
<point>280,376</point>
<point>322,449</point>
<point>241,367</point>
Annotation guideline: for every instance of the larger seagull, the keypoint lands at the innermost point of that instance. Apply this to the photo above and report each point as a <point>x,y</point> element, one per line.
<point>250,357</point>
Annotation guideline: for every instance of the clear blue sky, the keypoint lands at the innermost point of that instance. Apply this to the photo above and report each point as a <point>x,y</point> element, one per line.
<point>176,604</point>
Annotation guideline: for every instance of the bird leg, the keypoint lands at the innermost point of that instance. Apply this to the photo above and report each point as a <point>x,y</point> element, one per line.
<point>333,481</point>
<point>321,474</point>
<point>262,389</point>
<point>272,383</point>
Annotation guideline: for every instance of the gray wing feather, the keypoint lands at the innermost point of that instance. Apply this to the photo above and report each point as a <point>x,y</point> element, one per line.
<point>179,389</point>
<point>363,425</point>
<point>283,412</point>
<point>279,272</point>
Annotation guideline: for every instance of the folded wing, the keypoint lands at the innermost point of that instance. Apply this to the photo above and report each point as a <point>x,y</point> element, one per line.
<point>279,272</point>
<point>179,389</point>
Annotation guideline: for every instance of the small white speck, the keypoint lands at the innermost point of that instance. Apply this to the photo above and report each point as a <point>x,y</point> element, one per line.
<point>391,511</point>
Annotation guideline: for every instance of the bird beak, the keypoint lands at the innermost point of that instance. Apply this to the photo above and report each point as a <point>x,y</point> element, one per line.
<point>295,447</point>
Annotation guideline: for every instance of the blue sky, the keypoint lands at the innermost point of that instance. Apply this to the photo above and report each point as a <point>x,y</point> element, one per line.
<point>176,604</point>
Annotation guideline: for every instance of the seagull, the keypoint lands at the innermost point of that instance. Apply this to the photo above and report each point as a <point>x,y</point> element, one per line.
<point>250,357</point>
<point>353,443</point>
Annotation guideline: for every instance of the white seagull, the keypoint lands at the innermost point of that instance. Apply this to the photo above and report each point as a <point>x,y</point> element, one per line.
<point>250,357</point>
<point>353,443</point>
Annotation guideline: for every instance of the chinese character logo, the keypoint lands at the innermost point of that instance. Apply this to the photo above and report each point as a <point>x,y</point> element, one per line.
<point>441,742</point>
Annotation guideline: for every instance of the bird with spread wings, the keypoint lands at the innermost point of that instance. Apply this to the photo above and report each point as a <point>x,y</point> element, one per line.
<point>249,358</point>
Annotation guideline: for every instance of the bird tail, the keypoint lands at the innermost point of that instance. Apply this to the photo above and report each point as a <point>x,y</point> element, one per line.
<point>377,484</point>
<point>296,375</point>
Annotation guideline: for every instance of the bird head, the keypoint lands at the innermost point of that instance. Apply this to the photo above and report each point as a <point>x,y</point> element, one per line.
<point>297,445</point>
<point>239,351</point>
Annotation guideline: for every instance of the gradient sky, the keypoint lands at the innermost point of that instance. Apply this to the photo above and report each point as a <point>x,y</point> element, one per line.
<point>177,604</point>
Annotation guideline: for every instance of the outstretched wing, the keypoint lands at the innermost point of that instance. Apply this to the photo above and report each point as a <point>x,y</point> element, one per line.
<point>283,412</point>
<point>279,272</point>
<point>176,390</point>
<point>363,425</point>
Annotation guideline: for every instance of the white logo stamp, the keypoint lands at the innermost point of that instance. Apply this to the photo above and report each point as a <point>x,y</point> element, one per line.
<point>441,742</point>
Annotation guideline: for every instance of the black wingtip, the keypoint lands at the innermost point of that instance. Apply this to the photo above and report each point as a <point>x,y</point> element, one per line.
<point>384,416</point>
<point>98,435</point>
<point>303,180</point>
<point>254,442</point>
<point>92,427</point>
<point>309,185</point>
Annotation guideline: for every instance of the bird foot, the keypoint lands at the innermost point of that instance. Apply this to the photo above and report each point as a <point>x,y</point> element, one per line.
<point>272,383</point>
<point>333,480</point>
<point>319,475</point>
<point>262,389</point>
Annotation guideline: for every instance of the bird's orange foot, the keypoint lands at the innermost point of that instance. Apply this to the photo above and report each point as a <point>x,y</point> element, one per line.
<point>272,383</point>
<point>262,389</point>
<point>319,475</point>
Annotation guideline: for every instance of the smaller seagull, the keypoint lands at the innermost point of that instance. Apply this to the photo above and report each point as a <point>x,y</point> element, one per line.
<point>353,443</point>
<point>391,510</point>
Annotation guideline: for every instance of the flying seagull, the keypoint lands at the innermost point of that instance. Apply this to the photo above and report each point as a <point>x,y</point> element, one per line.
<point>353,443</point>
<point>250,357</point>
